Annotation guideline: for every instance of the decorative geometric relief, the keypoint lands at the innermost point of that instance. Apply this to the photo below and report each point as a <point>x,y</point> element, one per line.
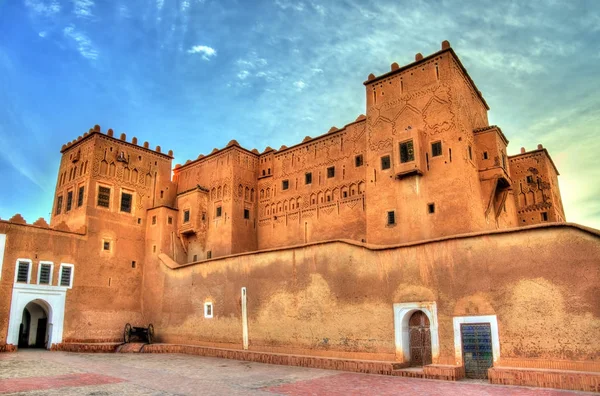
<point>328,210</point>
<point>437,115</point>
<point>407,117</point>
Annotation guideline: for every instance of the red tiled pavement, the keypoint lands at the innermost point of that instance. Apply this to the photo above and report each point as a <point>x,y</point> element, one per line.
<point>62,381</point>
<point>360,384</point>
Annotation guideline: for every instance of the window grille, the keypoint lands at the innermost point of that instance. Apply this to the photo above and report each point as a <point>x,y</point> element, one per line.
<point>45,272</point>
<point>23,271</point>
<point>407,152</point>
<point>126,202</point>
<point>104,197</point>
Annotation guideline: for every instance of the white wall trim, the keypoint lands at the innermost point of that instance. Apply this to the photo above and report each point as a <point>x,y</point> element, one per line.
<point>402,314</point>
<point>491,319</point>
<point>62,265</point>
<point>51,298</point>
<point>2,247</point>
<point>28,270</point>
<point>40,270</point>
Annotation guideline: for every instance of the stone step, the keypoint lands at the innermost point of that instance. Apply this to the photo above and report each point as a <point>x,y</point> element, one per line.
<point>132,347</point>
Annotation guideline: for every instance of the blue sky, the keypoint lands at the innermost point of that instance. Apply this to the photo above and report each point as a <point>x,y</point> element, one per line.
<point>189,75</point>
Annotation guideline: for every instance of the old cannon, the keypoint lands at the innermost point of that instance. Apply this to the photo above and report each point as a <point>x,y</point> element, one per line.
<point>143,333</point>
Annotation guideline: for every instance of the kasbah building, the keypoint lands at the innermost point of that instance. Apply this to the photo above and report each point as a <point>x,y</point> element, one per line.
<point>406,238</point>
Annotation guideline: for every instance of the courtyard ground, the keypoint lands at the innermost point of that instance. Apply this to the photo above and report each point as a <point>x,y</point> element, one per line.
<point>39,372</point>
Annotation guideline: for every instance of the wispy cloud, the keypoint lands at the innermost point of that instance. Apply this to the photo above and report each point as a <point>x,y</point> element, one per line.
<point>42,34</point>
<point>82,42</point>
<point>299,84</point>
<point>44,8</point>
<point>207,52</point>
<point>83,8</point>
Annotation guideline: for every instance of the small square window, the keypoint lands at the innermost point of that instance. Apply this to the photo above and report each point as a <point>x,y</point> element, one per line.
<point>219,211</point>
<point>203,216</point>
<point>529,179</point>
<point>80,196</point>
<point>407,151</point>
<point>153,248</point>
<point>208,310</point>
<point>209,254</point>
<point>385,162</point>
<point>66,275</point>
<point>544,216</point>
<point>195,258</point>
<point>391,217</point>
<point>104,197</point>
<point>485,155</point>
<point>45,276</point>
<point>133,264</point>
<point>358,160</point>
<point>308,178</point>
<point>153,220</point>
<point>23,271</point>
<point>436,149</point>
<point>106,245</point>
<point>126,199</point>
<point>169,220</point>
<point>246,214</point>
<point>331,172</point>
<point>59,204</point>
<point>431,208</point>
<point>285,184</point>
<point>69,200</point>
<point>186,216</point>
<point>139,220</point>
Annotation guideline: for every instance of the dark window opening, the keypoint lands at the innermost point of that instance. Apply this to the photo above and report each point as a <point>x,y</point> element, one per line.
<point>209,254</point>
<point>80,196</point>
<point>219,211</point>
<point>246,214</point>
<point>139,220</point>
<point>104,197</point>
<point>69,200</point>
<point>529,179</point>
<point>195,258</point>
<point>23,272</point>
<point>45,271</point>
<point>285,184</point>
<point>169,220</point>
<point>106,245</point>
<point>308,178</point>
<point>153,220</point>
<point>65,276</point>
<point>153,248</point>
<point>391,217</point>
<point>358,160</point>
<point>436,149</point>
<point>133,264</point>
<point>263,172</point>
<point>330,172</point>
<point>269,171</point>
<point>203,216</point>
<point>544,216</point>
<point>431,208</point>
<point>470,153</point>
<point>407,152</point>
<point>485,155</point>
<point>162,193</point>
<point>385,162</point>
<point>126,199</point>
<point>186,215</point>
<point>345,194</point>
<point>59,204</point>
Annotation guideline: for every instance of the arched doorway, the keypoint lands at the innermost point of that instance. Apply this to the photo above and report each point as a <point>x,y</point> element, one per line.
<point>420,339</point>
<point>33,330</point>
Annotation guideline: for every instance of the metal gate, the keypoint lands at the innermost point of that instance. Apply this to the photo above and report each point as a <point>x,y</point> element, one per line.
<point>420,339</point>
<point>476,349</point>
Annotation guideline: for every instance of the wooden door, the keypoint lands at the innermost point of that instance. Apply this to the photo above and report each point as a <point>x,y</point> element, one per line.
<point>420,339</point>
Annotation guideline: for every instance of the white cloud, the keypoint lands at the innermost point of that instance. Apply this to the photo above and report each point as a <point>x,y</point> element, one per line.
<point>243,74</point>
<point>300,85</point>
<point>285,4</point>
<point>82,41</point>
<point>160,4</point>
<point>83,8</point>
<point>42,34</point>
<point>44,8</point>
<point>207,52</point>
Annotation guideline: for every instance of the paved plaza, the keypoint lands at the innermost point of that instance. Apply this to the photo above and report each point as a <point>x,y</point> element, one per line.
<point>39,372</point>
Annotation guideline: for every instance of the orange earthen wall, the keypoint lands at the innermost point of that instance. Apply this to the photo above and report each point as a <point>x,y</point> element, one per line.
<point>336,299</point>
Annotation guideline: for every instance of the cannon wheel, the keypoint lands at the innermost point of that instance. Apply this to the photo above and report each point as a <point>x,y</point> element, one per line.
<point>127,333</point>
<point>150,333</point>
